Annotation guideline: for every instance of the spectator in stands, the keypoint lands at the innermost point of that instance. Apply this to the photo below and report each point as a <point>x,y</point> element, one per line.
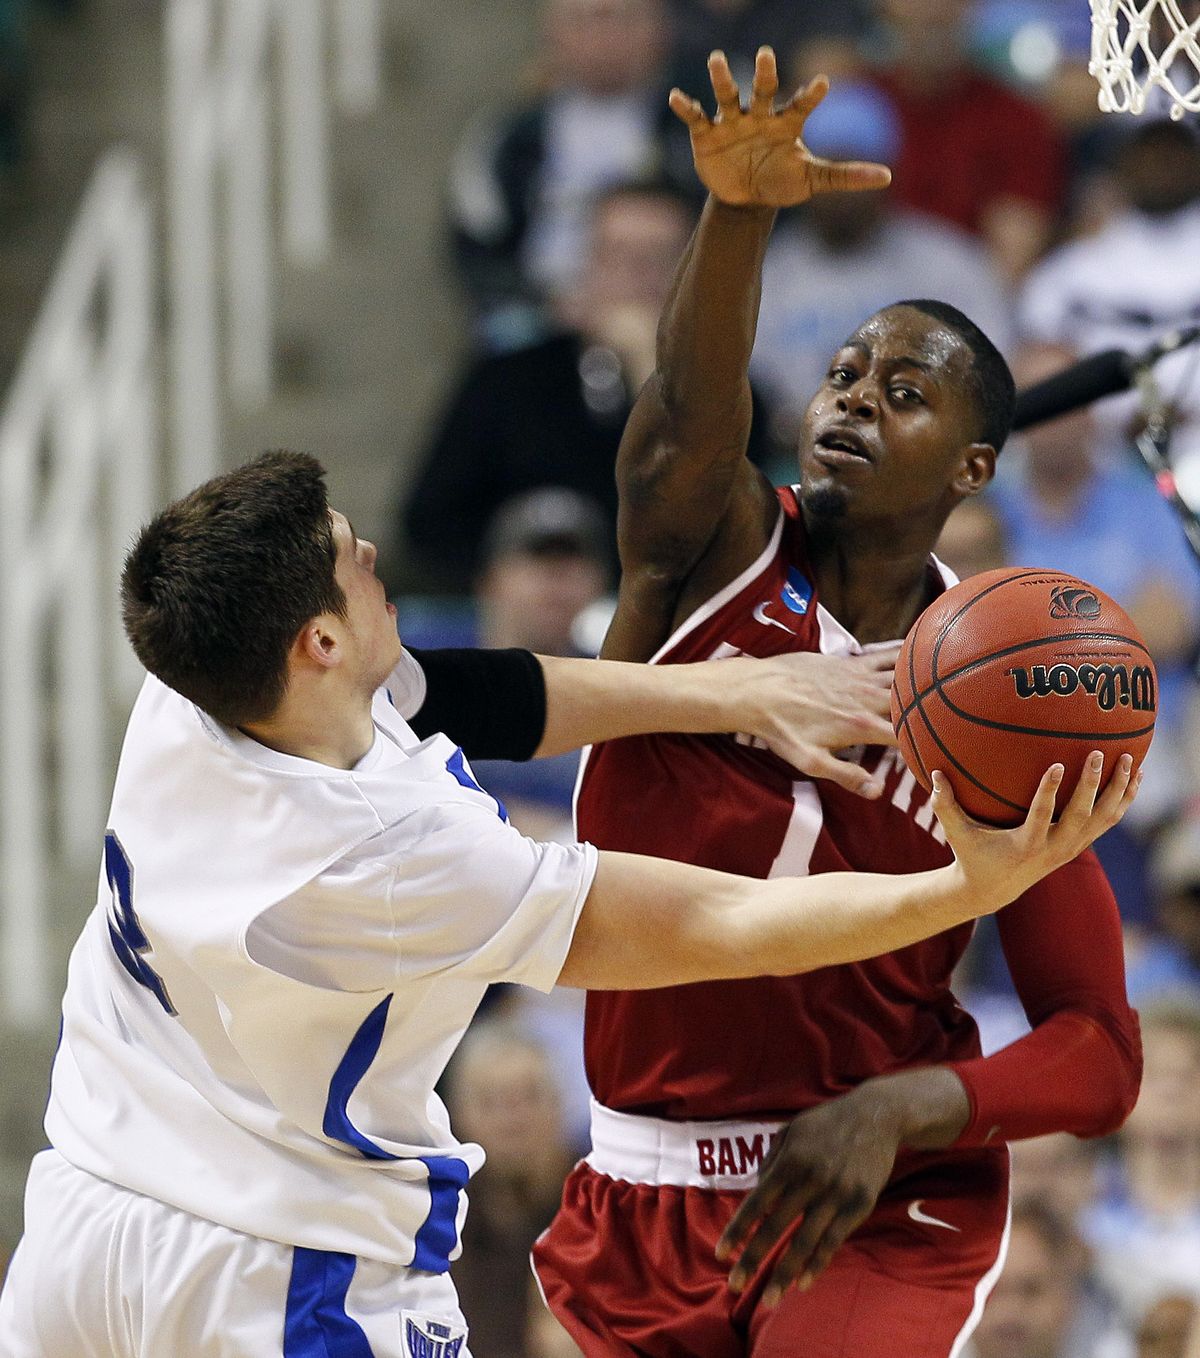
<point>14,84</point>
<point>522,184</point>
<point>974,152</point>
<point>503,1094</point>
<point>1062,1172</point>
<point>1135,280</point>
<point>1174,964</point>
<point>1068,506</point>
<point>846,255</point>
<point>1041,1306</point>
<point>804,37</point>
<point>552,413</point>
<point>545,559</point>
<point>973,539</point>
<point>544,1336</point>
<point>1145,1232</point>
<point>1164,1330</point>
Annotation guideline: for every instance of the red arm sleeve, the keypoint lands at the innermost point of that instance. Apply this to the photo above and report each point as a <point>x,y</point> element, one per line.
<point>1080,1068</point>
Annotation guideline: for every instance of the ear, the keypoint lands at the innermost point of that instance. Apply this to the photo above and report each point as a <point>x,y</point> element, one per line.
<point>318,643</point>
<point>976,469</point>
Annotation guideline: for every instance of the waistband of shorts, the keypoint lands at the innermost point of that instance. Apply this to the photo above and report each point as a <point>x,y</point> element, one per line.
<point>642,1150</point>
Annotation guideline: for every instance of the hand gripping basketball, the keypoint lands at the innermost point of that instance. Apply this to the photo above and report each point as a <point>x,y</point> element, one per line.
<point>1000,864</point>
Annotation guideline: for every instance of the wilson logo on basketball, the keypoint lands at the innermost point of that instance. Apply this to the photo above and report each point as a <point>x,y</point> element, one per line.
<point>1069,602</point>
<point>1110,684</point>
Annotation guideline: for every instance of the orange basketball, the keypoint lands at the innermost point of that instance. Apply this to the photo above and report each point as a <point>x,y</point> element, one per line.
<point>1015,670</point>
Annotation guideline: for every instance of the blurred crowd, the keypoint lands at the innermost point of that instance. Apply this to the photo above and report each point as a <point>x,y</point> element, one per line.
<point>1061,232</point>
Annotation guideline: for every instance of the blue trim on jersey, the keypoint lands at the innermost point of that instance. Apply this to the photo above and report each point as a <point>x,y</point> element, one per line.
<point>458,768</point>
<point>363,1048</point>
<point>315,1324</point>
<point>439,1231</point>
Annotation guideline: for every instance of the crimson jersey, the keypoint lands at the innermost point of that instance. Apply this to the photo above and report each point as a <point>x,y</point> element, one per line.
<point>775,1046</point>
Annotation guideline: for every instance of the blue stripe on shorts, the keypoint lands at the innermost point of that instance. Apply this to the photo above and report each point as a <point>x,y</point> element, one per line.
<point>316,1324</point>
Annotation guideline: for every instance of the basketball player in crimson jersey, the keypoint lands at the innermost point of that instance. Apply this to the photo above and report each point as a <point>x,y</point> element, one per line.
<point>836,1136</point>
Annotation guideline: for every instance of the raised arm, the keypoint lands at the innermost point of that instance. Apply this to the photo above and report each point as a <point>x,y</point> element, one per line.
<point>687,490</point>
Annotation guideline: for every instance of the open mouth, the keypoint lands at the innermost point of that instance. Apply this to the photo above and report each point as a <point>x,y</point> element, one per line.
<point>843,443</point>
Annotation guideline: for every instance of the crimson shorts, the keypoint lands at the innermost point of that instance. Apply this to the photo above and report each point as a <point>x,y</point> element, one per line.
<point>628,1267</point>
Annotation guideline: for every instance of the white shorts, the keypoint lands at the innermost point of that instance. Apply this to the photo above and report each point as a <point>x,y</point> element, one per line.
<point>105,1273</point>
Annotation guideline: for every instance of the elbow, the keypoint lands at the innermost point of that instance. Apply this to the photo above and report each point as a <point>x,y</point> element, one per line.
<point>1118,1076</point>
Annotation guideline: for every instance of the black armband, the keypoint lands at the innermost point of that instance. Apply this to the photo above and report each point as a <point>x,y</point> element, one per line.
<point>491,703</point>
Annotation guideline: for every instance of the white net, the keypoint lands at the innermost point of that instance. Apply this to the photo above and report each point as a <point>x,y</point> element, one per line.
<point>1146,55</point>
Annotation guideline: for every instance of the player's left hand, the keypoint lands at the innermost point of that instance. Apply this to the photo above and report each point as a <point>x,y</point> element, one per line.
<point>828,1169</point>
<point>755,157</point>
<point>808,708</point>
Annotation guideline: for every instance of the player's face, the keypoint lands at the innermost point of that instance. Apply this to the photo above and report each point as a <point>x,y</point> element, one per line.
<point>892,425</point>
<point>370,620</point>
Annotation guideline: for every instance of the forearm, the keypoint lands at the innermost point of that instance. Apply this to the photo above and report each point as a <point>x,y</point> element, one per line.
<point>1079,1069</point>
<point>650,923</point>
<point>1073,1073</point>
<point>590,701</point>
<point>706,333</point>
<point>801,924</point>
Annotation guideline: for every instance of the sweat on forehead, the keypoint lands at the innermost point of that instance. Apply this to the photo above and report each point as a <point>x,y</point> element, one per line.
<point>925,338</point>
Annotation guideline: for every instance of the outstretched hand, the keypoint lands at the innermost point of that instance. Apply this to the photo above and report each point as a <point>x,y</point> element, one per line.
<point>754,156</point>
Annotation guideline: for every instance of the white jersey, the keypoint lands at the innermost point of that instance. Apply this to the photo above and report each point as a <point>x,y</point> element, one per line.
<point>282,958</point>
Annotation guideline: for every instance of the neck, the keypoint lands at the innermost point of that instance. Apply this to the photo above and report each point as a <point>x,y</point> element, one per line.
<point>333,729</point>
<point>874,587</point>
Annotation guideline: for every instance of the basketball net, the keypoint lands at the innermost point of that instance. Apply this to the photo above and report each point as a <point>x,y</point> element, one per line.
<point>1146,54</point>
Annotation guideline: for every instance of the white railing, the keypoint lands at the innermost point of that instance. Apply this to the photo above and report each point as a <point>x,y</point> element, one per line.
<point>78,468</point>
<point>222,92</point>
<point>79,460</point>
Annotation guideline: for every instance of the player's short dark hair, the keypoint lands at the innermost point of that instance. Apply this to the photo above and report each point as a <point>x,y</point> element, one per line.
<point>218,585</point>
<point>994,389</point>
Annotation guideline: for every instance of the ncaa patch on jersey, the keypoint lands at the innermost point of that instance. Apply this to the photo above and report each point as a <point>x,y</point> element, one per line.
<point>429,1337</point>
<point>797,592</point>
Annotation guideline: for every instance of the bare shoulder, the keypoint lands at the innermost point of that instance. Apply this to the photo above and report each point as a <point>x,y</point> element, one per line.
<point>654,597</point>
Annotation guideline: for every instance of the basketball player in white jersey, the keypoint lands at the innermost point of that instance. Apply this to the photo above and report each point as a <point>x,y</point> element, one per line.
<point>302,900</point>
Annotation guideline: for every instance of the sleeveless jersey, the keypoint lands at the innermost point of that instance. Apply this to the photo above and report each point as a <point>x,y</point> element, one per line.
<point>767,1046</point>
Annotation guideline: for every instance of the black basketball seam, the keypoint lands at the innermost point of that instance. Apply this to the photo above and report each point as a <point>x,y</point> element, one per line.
<point>991,589</point>
<point>1039,731</point>
<point>966,773</point>
<point>917,701</point>
<point>918,698</point>
<point>903,724</point>
<point>937,681</point>
<point>983,593</point>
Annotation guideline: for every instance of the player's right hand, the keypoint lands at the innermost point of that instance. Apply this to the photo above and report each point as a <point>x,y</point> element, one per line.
<point>817,711</point>
<point>754,157</point>
<point>1000,864</point>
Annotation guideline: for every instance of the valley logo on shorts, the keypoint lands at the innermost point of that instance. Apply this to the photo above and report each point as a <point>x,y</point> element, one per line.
<point>425,1337</point>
